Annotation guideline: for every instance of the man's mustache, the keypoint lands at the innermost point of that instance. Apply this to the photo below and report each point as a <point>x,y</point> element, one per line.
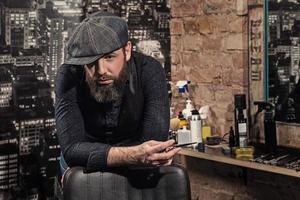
<point>104,78</point>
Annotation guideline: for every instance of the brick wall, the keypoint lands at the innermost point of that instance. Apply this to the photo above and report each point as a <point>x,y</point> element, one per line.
<point>209,48</point>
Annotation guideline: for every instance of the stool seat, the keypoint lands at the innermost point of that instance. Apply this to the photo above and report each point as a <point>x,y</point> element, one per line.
<point>154,183</point>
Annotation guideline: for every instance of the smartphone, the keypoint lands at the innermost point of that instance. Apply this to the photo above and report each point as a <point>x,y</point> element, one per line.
<point>184,144</point>
<point>178,145</point>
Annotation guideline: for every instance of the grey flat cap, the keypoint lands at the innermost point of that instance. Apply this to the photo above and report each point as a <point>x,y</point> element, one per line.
<point>99,34</point>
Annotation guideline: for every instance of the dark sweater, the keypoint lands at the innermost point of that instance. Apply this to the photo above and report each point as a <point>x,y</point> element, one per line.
<point>87,129</point>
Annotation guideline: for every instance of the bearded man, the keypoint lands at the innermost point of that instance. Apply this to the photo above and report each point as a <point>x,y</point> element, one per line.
<point>112,106</point>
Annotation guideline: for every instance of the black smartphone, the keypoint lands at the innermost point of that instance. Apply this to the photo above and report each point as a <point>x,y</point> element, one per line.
<point>184,144</point>
<point>178,145</point>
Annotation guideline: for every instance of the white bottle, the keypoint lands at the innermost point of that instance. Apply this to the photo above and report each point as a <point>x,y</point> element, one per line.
<point>195,127</point>
<point>183,135</point>
<point>187,112</point>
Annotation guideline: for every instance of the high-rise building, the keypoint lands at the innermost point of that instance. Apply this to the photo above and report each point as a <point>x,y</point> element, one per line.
<point>51,148</point>
<point>32,99</point>
<point>67,9</point>
<point>7,132</point>
<point>41,30</point>
<point>31,38</point>
<point>274,22</point>
<point>35,126</point>
<point>8,166</point>
<point>138,32</point>
<point>8,155</point>
<point>295,58</point>
<point>5,89</point>
<point>29,57</point>
<point>29,134</point>
<point>17,23</point>
<point>2,24</point>
<point>95,5</point>
<point>6,56</point>
<point>55,28</point>
<point>162,17</point>
<point>40,4</point>
<point>28,75</point>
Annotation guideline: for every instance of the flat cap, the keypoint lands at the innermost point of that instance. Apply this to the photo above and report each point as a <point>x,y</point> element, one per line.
<point>98,34</point>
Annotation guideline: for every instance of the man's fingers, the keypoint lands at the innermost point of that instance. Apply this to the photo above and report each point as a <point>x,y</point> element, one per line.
<point>160,162</point>
<point>161,146</point>
<point>155,149</point>
<point>158,153</point>
<point>169,142</point>
<point>163,155</point>
<point>153,142</point>
<point>169,162</point>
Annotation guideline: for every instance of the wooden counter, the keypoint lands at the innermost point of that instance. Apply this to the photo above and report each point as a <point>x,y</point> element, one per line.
<point>241,163</point>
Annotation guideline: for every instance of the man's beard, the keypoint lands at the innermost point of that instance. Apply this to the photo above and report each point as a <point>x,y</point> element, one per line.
<point>108,93</point>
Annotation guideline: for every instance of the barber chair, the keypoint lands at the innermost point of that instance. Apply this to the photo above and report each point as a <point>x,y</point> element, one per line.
<point>155,183</point>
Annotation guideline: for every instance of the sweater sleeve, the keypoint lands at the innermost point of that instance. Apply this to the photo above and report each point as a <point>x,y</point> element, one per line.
<point>77,151</point>
<point>156,117</point>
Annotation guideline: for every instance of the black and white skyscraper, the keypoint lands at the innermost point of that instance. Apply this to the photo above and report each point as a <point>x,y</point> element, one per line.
<point>33,36</point>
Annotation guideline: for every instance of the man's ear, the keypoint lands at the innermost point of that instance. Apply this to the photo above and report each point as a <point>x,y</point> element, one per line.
<point>128,50</point>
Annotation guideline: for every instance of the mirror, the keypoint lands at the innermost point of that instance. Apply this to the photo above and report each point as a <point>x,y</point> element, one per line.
<point>274,55</point>
<point>283,56</point>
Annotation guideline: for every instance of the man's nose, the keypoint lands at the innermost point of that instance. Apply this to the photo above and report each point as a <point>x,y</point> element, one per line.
<point>101,67</point>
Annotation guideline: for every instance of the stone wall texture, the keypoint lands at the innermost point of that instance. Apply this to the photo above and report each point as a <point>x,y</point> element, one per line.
<point>209,48</point>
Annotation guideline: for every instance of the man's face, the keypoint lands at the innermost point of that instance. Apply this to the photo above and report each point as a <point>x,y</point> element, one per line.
<point>107,76</point>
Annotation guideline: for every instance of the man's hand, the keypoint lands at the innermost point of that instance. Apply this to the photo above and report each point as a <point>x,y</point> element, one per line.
<point>150,153</point>
<point>157,153</point>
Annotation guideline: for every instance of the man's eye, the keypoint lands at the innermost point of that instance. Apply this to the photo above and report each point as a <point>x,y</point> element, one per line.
<point>109,57</point>
<point>90,65</point>
<point>93,64</point>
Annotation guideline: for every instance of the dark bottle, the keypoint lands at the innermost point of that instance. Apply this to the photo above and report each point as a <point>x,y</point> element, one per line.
<point>231,138</point>
<point>269,124</point>
<point>242,130</point>
<point>240,121</point>
<point>270,130</point>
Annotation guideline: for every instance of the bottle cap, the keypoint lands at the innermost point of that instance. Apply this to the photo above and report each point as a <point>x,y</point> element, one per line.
<point>195,112</point>
<point>240,101</point>
<point>189,104</point>
<point>180,115</point>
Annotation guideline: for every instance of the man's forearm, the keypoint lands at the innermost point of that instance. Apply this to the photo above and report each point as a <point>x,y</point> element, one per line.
<point>120,156</point>
<point>152,153</point>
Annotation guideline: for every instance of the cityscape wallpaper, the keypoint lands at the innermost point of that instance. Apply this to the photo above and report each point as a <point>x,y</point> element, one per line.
<point>33,35</point>
<point>283,33</point>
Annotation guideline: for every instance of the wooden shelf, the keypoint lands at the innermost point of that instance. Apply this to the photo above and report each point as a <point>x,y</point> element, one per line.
<point>241,163</point>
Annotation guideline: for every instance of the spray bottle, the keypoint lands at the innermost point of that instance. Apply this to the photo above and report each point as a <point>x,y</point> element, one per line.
<point>183,86</point>
<point>187,112</point>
